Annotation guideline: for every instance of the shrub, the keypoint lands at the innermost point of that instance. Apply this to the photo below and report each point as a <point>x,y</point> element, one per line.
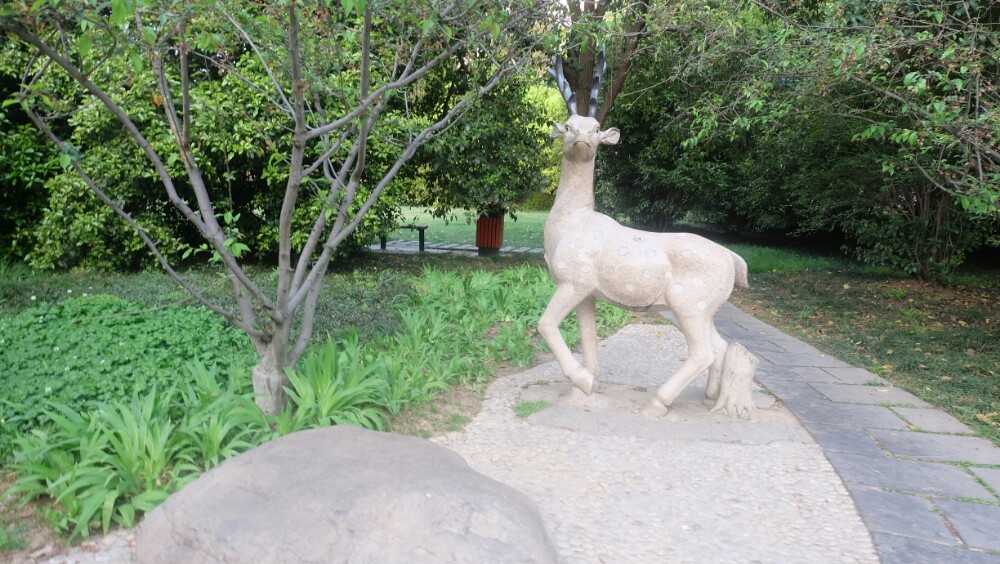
<point>539,201</point>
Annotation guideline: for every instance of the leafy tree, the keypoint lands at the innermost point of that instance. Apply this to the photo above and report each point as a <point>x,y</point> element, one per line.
<point>933,66</point>
<point>332,73</point>
<point>492,160</point>
<point>810,119</point>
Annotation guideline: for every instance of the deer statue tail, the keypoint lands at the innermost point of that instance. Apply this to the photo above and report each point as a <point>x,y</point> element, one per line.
<point>741,271</point>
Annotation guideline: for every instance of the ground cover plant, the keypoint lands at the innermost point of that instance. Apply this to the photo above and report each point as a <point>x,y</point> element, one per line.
<point>105,461</point>
<point>96,348</point>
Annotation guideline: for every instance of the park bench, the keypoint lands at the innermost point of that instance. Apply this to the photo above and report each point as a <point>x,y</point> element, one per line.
<point>420,235</point>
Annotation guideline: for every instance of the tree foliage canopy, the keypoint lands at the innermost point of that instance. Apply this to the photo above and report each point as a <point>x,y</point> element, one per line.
<point>298,113</point>
<point>874,122</point>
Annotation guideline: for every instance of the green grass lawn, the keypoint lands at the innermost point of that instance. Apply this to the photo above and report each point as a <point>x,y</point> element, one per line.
<point>526,231</point>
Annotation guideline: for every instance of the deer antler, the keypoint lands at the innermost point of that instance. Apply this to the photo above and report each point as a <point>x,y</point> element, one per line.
<point>564,88</point>
<point>595,88</point>
<point>556,72</point>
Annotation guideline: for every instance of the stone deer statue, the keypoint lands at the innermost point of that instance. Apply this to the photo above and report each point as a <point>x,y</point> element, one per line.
<point>591,256</point>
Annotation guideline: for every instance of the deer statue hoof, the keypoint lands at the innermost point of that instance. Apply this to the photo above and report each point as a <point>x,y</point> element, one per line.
<point>584,380</point>
<point>656,408</point>
<point>712,390</point>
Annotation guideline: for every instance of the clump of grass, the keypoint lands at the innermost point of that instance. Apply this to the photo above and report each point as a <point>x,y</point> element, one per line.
<point>525,409</point>
<point>12,270</point>
<point>12,536</point>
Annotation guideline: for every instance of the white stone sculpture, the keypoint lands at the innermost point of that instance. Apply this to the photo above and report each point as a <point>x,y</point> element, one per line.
<point>591,256</point>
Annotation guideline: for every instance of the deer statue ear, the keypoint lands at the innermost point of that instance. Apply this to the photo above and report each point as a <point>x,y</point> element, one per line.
<point>558,130</point>
<point>610,137</point>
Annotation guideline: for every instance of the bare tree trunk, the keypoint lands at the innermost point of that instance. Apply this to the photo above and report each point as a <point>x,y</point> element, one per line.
<point>269,376</point>
<point>581,59</point>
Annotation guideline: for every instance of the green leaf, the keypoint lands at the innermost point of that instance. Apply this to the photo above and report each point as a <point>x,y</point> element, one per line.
<point>136,60</point>
<point>65,161</point>
<point>83,45</point>
<point>119,11</point>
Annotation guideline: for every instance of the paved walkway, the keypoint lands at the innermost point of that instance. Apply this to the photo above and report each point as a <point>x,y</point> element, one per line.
<point>922,483</point>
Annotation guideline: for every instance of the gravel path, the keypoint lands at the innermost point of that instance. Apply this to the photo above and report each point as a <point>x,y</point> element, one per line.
<point>613,486</point>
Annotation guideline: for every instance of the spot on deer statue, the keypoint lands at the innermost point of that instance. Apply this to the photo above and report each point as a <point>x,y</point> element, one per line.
<point>591,256</point>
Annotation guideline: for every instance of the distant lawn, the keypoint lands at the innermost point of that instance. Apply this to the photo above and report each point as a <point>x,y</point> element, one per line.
<point>525,232</point>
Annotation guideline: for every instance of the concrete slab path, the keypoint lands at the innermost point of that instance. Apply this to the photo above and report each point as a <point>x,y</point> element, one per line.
<point>404,246</point>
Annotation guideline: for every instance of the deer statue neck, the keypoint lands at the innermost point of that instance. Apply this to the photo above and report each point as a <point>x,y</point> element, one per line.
<point>581,136</point>
<point>576,187</point>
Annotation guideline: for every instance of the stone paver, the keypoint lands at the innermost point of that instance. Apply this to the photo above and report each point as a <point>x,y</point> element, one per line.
<point>847,414</point>
<point>907,475</point>
<point>976,523</point>
<point>989,475</point>
<point>901,514</point>
<point>853,375</point>
<point>929,446</point>
<point>932,420</point>
<point>871,395</point>
<point>840,439</point>
<point>771,372</point>
<point>894,549</point>
<point>791,390</point>
<point>802,359</point>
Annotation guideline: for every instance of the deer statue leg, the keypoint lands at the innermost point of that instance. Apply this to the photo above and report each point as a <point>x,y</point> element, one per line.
<point>586,316</point>
<point>719,346</point>
<point>697,329</point>
<point>563,301</point>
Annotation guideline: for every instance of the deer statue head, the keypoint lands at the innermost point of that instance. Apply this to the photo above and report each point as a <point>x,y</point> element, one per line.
<point>581,136</point>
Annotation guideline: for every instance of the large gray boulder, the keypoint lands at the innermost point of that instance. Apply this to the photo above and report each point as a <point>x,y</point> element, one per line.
<point>344,494</point>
